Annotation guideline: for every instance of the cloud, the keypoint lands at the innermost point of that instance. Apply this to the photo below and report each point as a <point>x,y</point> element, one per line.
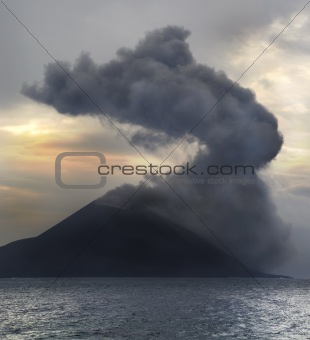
<point>160,87</point>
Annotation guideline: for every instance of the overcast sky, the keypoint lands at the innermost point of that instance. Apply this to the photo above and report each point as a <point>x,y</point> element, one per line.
<point>226,35</point>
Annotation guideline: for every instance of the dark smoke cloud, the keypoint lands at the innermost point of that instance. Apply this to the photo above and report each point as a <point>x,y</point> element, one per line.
<point>159,87</point>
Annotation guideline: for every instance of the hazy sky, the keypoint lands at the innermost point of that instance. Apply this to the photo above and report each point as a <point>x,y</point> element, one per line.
<point>227,35</point>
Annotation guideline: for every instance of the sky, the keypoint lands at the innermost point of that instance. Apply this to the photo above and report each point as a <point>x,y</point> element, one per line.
<point>225,35</point>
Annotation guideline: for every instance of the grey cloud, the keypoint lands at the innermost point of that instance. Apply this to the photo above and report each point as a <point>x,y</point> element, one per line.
<point>161,88</point>
<point>300,191</point>
<point>216,25</point>
<point>242,216</point>
<point>296,46</point>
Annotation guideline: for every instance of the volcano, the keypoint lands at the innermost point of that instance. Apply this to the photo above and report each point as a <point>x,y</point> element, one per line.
<point>103,241</point>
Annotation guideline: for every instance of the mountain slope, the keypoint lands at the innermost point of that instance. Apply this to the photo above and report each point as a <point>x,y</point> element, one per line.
<point>134,243</point>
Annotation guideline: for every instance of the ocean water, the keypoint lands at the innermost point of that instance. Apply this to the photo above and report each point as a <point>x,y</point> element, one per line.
<point>154,308</point>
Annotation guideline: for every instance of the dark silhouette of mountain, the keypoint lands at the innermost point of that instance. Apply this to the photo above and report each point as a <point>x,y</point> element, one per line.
<point>134,243</point>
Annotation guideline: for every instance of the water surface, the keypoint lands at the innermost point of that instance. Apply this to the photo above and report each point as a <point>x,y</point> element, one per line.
<point>154,308</point>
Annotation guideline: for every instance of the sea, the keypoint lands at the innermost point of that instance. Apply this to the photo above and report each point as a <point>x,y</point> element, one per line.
<point>154,308</point>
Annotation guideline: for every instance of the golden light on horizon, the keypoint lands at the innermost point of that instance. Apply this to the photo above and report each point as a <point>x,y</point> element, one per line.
<point>31,128</point>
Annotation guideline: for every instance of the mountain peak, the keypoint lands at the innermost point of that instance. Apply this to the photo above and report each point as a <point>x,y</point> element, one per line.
<point>103,241</point>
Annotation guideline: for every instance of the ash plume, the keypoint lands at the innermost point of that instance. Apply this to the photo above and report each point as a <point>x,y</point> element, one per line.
<point>160,87</point>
